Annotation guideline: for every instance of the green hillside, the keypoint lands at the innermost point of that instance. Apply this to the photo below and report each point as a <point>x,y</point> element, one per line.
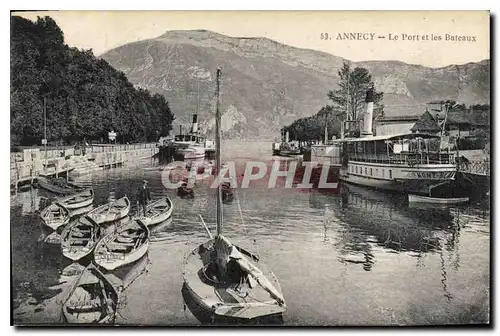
<point>85,97</point>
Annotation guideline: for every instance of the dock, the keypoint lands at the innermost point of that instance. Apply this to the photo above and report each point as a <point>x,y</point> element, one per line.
<point>26,166</point>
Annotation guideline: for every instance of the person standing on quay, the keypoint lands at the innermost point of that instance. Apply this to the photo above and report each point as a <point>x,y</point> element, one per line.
<point>143,197</point>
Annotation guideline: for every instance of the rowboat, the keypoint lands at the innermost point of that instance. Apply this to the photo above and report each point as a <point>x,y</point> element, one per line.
<point>78,200</point>
<point>227,192</point>
<point>81,211</point>
<point>127,245</point>
<point>58,186</point>
<point>222,278</point>
<point>111,211</point>
<point>93,299</point>
<point>55,215</point>
<point>157,212</point>
<point>184,191</point>
<point>435,200</point>
<point>79,238</point>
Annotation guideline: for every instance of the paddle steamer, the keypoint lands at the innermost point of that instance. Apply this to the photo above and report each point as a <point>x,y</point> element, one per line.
<point>192,145</point>
<point>408,162</point>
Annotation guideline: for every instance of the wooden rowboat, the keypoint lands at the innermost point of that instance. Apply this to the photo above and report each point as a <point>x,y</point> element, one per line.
<point>58,186</point>
<point>227,192</point>
<point>127,245</point>
<point>157,212</point>
<point>184,191</point>
<point>81,211</point>
<point>55,215</point>
<point>111,211</point>
<point>435,200</point>
<point>79,239</point>
<point>93,299</point>
<point>78,200</point>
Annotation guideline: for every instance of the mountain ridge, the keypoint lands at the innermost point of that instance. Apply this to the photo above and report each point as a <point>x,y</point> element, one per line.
<point>267,84</point>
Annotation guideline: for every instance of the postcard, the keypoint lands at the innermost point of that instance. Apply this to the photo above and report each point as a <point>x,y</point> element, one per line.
<point>290,168</point>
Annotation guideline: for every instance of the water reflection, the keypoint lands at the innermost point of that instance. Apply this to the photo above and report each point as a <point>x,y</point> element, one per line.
<point>369,219</point>
<point>310,237</point>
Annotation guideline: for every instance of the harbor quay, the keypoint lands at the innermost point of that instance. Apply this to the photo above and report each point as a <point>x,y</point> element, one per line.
<point>28,164</point>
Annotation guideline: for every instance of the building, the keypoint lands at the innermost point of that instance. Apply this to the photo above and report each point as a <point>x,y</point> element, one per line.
<point>388,125</point>
<point>426,124</point>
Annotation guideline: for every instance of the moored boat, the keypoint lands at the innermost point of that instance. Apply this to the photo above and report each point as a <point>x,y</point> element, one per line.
<point>220,279</point>
<point>157,212</point>
<point>79,238</point>
<point>110,212</point>
<point>123,247</point>
<point>93,299</point>
<point>80,211</point>
<point>227,192</point>
<point>184,191</point>
<point>192,145</point>
<point>78,200</point>
<point>55,216</point>
<point>436,200</point>
<point>58,185</point>
<point>411,163</point>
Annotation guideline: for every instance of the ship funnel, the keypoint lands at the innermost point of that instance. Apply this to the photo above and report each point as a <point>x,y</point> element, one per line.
<point>287,136</point>
<point>368,117</point>
<point>194,127</point>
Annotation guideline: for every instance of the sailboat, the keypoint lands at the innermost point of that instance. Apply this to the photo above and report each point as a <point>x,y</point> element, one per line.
<point>222,279</point>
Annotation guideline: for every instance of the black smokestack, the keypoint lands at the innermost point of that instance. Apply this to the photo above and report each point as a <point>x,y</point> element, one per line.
<point>195,118</point>
<point>369,96</point>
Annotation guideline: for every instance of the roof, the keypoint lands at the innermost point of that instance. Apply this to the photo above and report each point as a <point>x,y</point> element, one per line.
<point>388,137</point>
<point>398,118</point>
<point>426,123</point>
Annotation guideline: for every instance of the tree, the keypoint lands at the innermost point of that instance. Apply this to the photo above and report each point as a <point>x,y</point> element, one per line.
<point>85,97</point>
<point>349,98</point>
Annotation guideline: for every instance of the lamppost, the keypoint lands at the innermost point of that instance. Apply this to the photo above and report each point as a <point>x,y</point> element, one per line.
<point>44,141</point>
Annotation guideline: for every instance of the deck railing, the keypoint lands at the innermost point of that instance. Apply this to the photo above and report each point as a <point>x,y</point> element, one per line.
<point>475,167</point>
<point>410,159</point>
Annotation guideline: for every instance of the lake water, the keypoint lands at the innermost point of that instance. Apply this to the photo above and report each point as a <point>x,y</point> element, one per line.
<point>356,257</point>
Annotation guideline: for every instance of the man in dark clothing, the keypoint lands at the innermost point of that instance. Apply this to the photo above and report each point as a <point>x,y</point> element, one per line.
<point>143,197</point>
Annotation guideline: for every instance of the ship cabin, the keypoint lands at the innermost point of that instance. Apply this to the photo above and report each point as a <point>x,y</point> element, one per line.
<point>407,149</point>
<point>193,138</point>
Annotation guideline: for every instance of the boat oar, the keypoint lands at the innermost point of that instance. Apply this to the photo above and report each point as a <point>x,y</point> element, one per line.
<point>206,227</point>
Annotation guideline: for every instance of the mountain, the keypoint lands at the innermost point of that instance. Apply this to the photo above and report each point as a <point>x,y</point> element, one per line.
<point>266,85</point>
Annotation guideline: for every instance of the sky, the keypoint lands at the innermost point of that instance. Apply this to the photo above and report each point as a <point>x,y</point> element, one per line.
<point>105,30</point>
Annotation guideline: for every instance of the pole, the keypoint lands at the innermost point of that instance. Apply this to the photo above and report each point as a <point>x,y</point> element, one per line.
<point>45,129</point>
<point>217,152</point>
<point>198,99</point>
<point>206,227</point>
<point>342,125</point>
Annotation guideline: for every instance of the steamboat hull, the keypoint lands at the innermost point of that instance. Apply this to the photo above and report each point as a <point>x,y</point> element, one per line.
<point>420,180</point>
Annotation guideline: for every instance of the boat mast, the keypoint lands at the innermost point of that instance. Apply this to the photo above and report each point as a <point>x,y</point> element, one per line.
<point>217,152</point>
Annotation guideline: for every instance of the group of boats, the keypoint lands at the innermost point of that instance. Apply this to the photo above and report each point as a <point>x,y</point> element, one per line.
<point>106,238</point>
<point>222,282</point>
<point>414,163</point>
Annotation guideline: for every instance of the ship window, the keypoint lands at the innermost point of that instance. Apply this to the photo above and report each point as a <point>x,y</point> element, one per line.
<point>383,172</point>
<point>366,171</point>
<point>371,172</point>
<point>356,169</point>
<point>376,172</point>
<point>390,173</point>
